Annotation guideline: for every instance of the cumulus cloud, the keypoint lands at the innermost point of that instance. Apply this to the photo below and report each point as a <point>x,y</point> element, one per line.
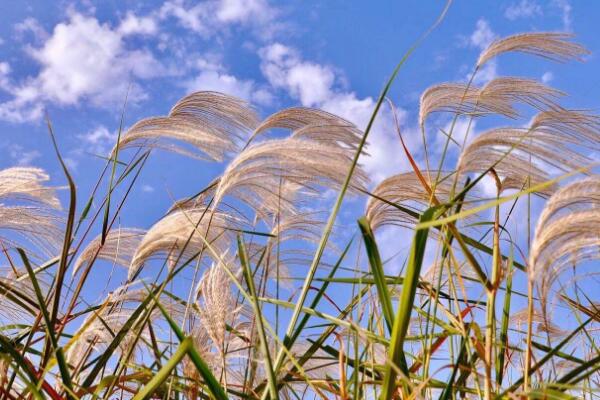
<point>316,85</point>
<point>22,156</point>
<point>212,75</point>
<point>83,59</point>
<point>32,26</point>
<point>133,24</point>
<point>523,9</point>
<point>547,77</point>
<point>210,17</point>
<point>565,8</point>
<point>283,67</point>
<point>481,38</point>
<point>99,140</point>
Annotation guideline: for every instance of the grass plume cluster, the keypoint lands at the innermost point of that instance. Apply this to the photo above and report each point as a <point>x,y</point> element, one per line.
<point>244,289</point>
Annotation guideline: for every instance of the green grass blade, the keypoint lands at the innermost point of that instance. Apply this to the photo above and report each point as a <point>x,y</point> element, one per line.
<point>396,354</point>
<point>378,273</point>
<point>163,374</point>
<point>58,351</point>
<point>505,323</point>
<point>264,345</point>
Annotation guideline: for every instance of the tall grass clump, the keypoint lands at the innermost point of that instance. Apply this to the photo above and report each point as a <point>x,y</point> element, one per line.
<point>250,288</point>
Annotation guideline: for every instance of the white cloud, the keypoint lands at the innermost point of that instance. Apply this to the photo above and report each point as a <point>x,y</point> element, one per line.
<point>84,58</point>
<point>547,77</point>
<point>195,18</point>
<point>311,83</point>
<point>133,24</point>
<point>212,76</point>
<point>483,34</point>
<point>210,17</point>
<point>523,9</point>
<point>32,25</point>
<point>564,6</point>
<point>98,141</point>
<point>243,10</point>
<point>81,60</point>
<point>147,188</point>
<point>481,38</point>
<point>4,76</point>
<point>21,156</point>
<point>314,85</point>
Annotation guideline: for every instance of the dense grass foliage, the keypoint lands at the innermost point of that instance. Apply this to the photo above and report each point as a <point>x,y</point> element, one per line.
<point>248,289</point>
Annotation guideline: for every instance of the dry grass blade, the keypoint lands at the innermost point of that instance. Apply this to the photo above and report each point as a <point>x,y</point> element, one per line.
<point>212,123</point>
<point>119,247</point>
<point>551,45</point>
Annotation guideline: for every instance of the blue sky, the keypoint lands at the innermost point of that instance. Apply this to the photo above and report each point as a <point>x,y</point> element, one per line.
<point>76,60</point>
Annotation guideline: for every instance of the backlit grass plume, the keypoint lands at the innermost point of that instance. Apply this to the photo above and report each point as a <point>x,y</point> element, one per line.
<point>256,284</point>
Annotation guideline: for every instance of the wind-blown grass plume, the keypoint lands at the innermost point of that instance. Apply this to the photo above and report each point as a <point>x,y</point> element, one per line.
<point>510,90</point>
<point>551,45</point>
<point>571,126</point>
<point>16,290</point>
<point>260,172</point>
<point>30,225</point>
<point>496,97</point>
<point>216,305</point>
<point>457,98</point>
<point>101,326</point>
<point>521,156</point>
<point>212,123</point>
<point>567,232</point>
<point>27,184</point>
<point>168,237</point>
<point>119,247</point>
<point>28,210</point>
<point>345,135</point>
<point>297,118</point>
<point>407,191</point>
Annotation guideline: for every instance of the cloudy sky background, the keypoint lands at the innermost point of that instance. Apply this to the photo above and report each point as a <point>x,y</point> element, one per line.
<point>77,61</point>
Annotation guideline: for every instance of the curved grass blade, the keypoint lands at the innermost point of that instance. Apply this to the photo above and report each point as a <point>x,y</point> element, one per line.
<point>396,354</point>
<point>378,273</point>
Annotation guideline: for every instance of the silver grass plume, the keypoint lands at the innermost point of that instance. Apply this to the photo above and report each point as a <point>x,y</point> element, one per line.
<point>268,176</point>
<point>522,156</point>
<point>100,326</point>
<point>297,118</point>
<point>119,247</point>
<point>406,190</point>
<point>18,281</point>
<point>212,123</point>
<point>551,45</point>
<point>168,236</point>
<point>28,210</point>
<point>216,304</point>
<point>497,97</point>
<point>571,126</point>
<point>27,184</point>
<point>567,233</point>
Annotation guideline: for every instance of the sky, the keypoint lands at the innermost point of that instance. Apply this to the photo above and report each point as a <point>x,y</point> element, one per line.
<point>77,61</point>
